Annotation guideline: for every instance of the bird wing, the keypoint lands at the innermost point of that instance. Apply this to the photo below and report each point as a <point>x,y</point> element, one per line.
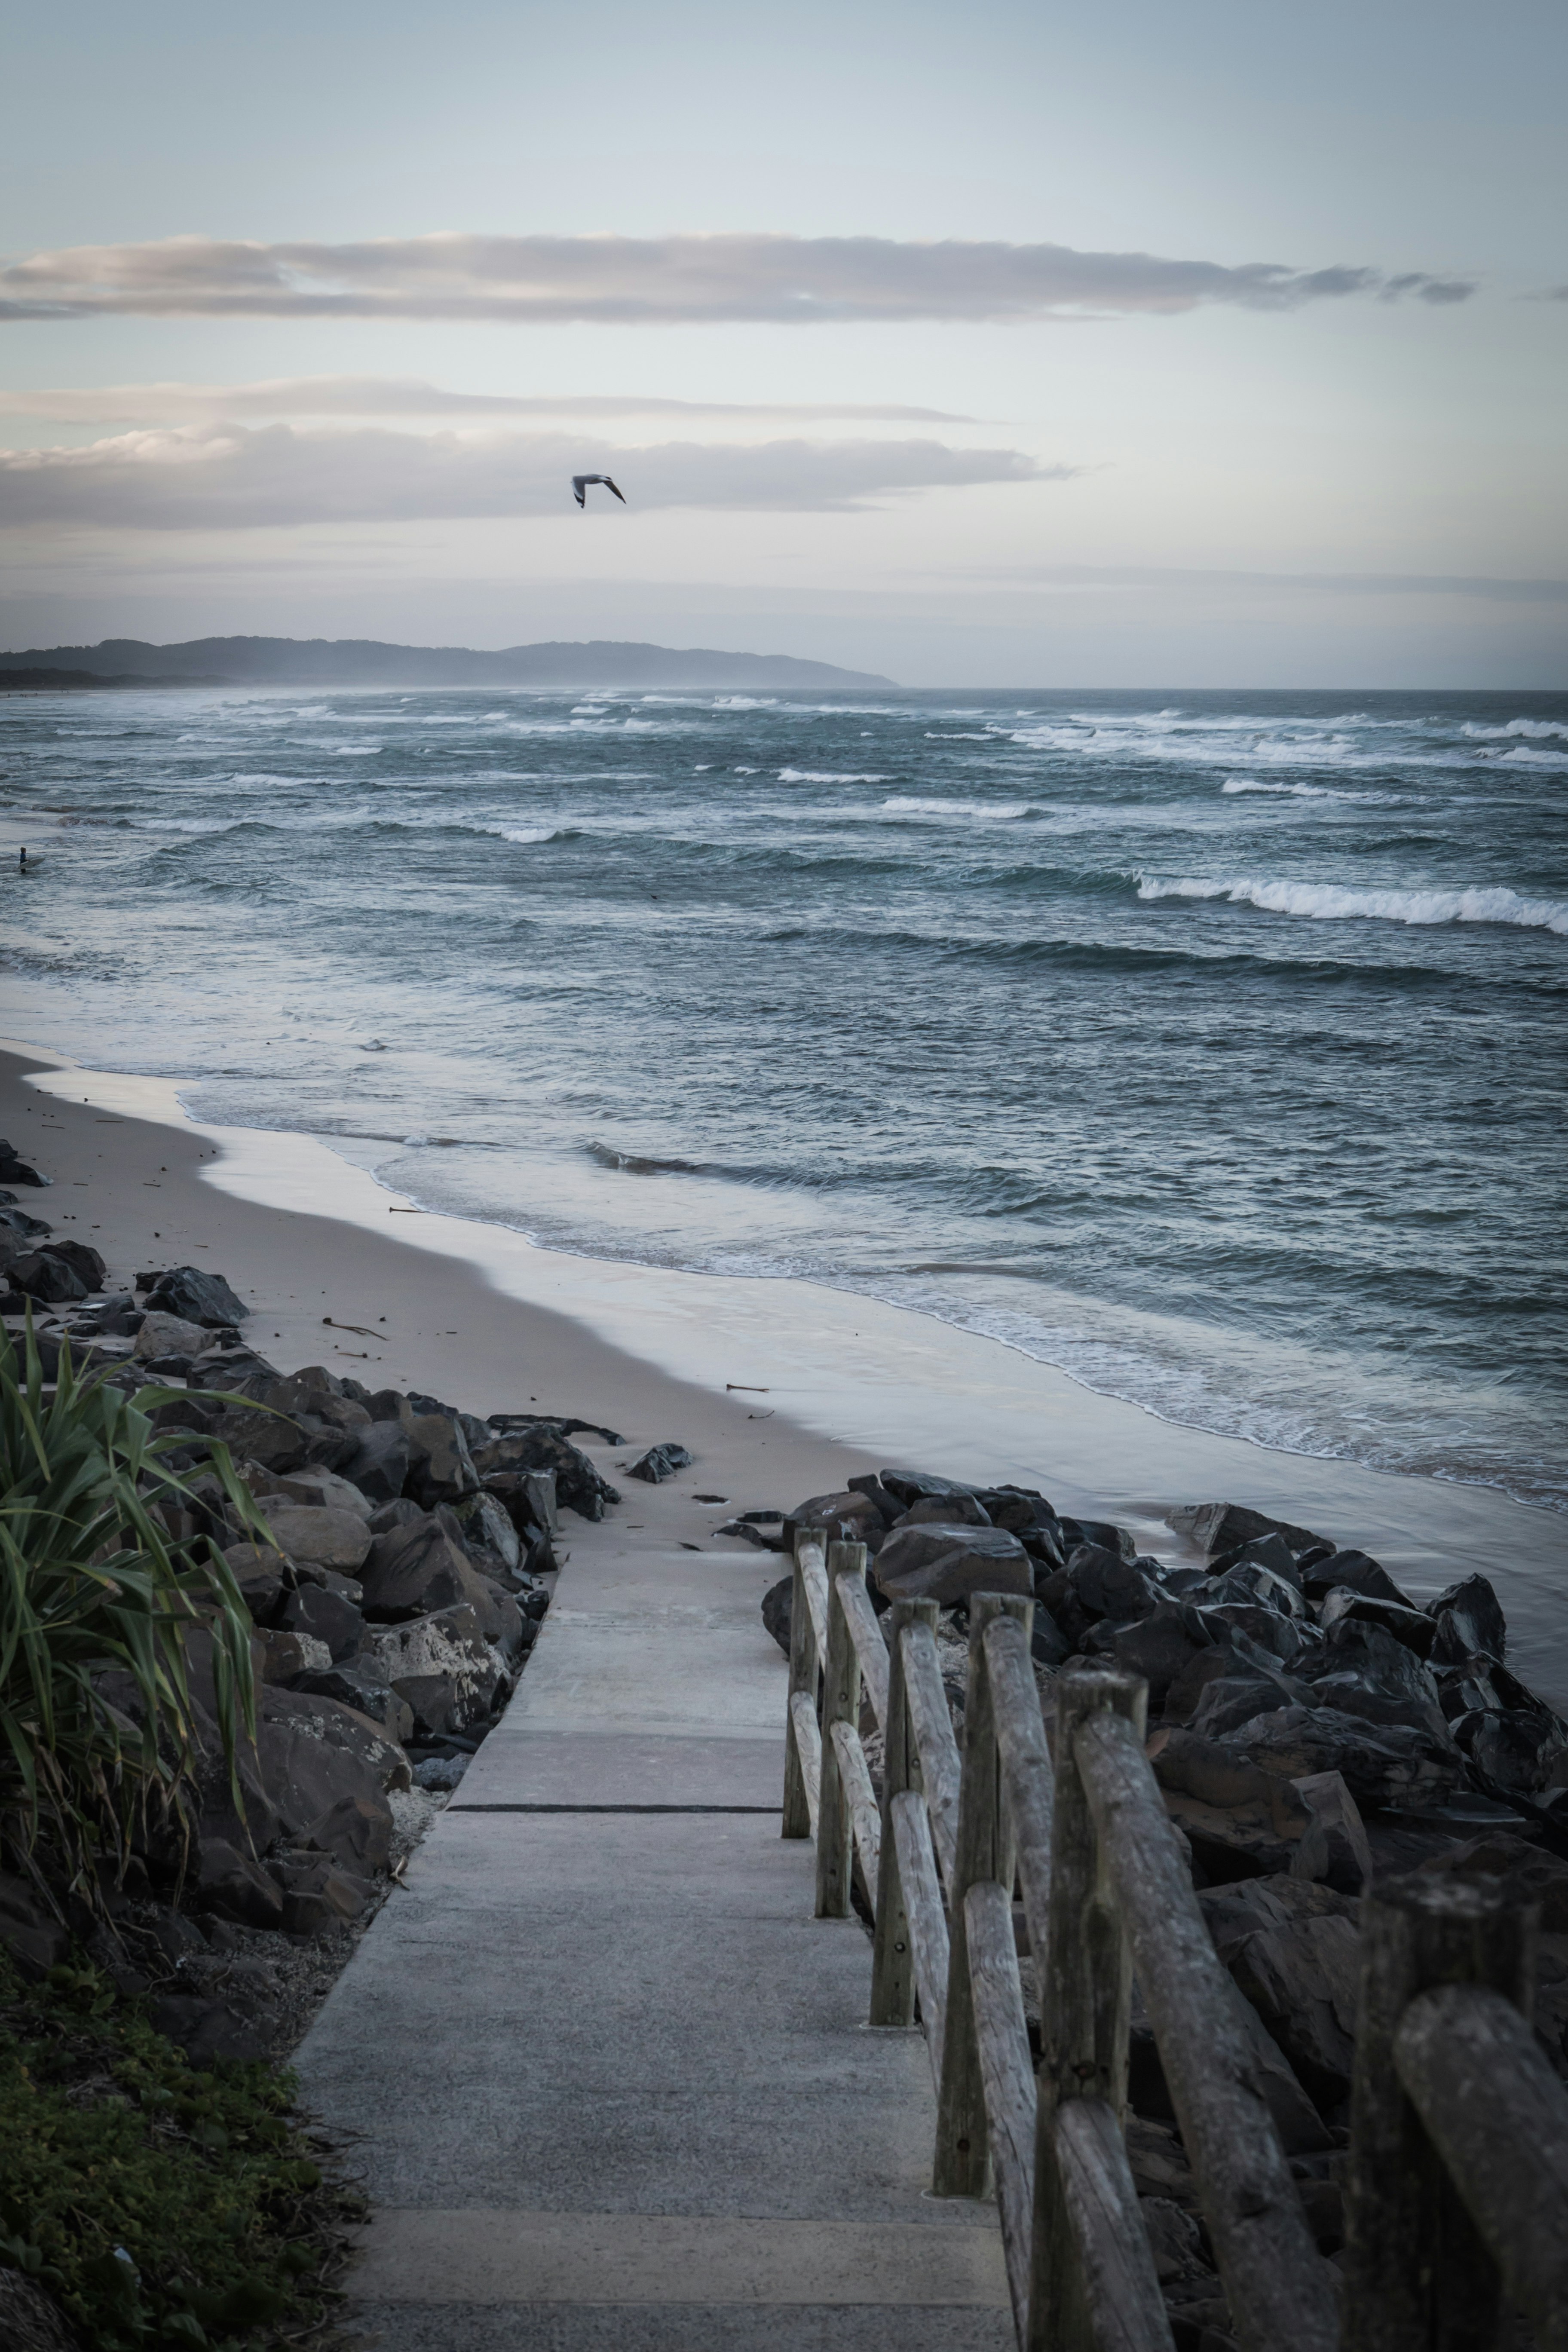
<point>580,488</point>
<point>610,486</point>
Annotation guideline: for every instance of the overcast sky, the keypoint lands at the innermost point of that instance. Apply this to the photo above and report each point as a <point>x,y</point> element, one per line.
<point>993,344</point>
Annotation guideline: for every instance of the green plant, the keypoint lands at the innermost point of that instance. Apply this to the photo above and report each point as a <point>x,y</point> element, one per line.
<point>97,1729</point>
<point>160,2205</point>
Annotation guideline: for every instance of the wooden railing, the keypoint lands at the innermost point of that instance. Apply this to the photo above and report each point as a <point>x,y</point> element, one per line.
<point>1456,2178</point>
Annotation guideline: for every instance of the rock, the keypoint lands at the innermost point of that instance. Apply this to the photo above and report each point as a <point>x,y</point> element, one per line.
<point>440,1773</point>
<point>1467,1622</point>
<point>207,2030</point>
<point>1174,2240</point>
<point>946,1563</point>
<point>421,1567</point>
<point>1160,1647</point>
<point>528,1498</point>
<point>83,1260</point>
<point>1292,1949</point>
<point>777,1611</point>
<point>487,1525</point>
<point>14,1170</point>
<point>1526,1874</point>
<point>539,1446</point>
<point>286,1656</point>
<point>357,1833</point>
<point>1221,1527</point>
<point>1239,1821</point>
<point>360,1682</point>
<point>399,1513</point>
<point>1362,1670</point>
<point>440,1467</point>
<point>325,1620</point>
<point>887,1503</point>
<point>1250,1584</point>
<point>443,1668</point>
<point>1412,1627</point>
<point>1333,1848</point>
<point>906,1486</point>
<point>262,1576</point>
<point>1270,1551</point>
<point>1102,1533</point>
<point>1246,1681</point>
<point>659,1463</point>
<point>1300,2128</point>
<point>1382,1763</point>
<point>378,1466</point>
<point>1048,1646</point>
<point>323,1896</point>
<point>197,1298</point>
<point>949,1510</point>
<point>270,1440</point>
<point>846,1515</point>
<point>314,1750</point>
<point>317,1490</point>
<point>234,1884</point>
<point>31,2320</point>
<point>1510,1754</point>
<point>329,1538</point>
<point>43,1276</point>
<point>1108,1585</point>
<point>1355,1570</point>
<point>34,1939</point>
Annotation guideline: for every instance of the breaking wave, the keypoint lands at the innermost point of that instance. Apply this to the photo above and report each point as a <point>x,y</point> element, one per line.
<point>1331,902</point>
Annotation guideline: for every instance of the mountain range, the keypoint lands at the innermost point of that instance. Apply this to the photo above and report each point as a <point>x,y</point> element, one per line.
<point>363,661</point>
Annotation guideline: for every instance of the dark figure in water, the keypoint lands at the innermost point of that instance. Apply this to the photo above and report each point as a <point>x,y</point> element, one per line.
<point>21,861</point>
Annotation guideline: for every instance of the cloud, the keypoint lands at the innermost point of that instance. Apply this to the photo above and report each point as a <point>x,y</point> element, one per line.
<point>377,395</point>
<point>1489,588</point>
<point>232,478</point>
<point>659,281</point>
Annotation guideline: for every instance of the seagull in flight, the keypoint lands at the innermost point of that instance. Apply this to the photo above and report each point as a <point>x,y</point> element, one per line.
<point>580,487</point>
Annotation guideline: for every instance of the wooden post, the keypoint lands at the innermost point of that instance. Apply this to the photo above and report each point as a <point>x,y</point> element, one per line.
<point>840,1703</point>
<point>1026,1773</point>
<point>893,1961</point>
<point>802,1671</point>
<point>983,1852</point>
<point>1086,2000</point>
<point>1418,2277</point>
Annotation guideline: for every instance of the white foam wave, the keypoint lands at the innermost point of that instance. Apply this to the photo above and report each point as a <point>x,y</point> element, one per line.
<point>824,776</point>
<point>1536,728</point>
<point>1301,792</point>
<point>1328,902</point>
<point>742,701</point>
<point>911,807</point>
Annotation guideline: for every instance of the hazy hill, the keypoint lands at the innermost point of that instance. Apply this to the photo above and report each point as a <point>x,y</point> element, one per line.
<point>362,661</point>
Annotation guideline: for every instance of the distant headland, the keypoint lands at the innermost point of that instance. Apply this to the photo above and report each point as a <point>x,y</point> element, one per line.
<point>600,664</point>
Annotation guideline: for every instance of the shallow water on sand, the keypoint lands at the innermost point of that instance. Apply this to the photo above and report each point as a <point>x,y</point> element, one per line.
<point>1209,1047</point>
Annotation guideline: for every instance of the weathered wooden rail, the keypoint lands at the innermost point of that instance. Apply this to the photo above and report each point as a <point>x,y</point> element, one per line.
<point>1456,2178</point>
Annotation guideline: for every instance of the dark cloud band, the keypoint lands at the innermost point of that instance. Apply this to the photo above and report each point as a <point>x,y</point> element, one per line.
<point>669,280</point>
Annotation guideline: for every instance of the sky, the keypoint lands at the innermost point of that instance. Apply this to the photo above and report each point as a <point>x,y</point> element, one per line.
<point>999,344</point>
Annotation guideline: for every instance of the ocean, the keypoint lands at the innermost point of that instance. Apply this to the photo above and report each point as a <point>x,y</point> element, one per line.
<point>1207,1046</point>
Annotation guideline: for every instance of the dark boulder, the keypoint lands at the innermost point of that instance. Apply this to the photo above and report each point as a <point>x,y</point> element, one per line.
<point>445,1669</point>
<point>360,1682</point>
<point>1250,1584</point>
<point>44,1276</point>
<point>1469,1622</point>
<point>540,1446</point>
<point>1107,1585</point>
<point>947,1563</point>
<point>1102,1533</point>
<point>1292,1949</point>
<point>1383,1763</point>
<point>328,1538</point>
<point>82,1260</point>
<point>321,1896</point>
<point>1363,1670</point>
<point>950,1510</point>
<point>1510,1754</point>
<point>230,1881</point>
<point>1048,1646</point>
<point>1333,1848</point>
<point>846,1515</point>
<point>440,1466</point>
<point>324,1617</point>
<point>887,1502</point>
<point>1412,1627</point>
<point>1358,1571</point>
<point>777,1603</point>
<point>197,1297</point>
<point>378,1464</point>
<point>906,1486</point>
<point>1221,1527</point>
<point>660,1462</point>
<point>14,1170</point>
<point>1159,1646</point>
<point>422,1566</point>
<point>208,2030</point>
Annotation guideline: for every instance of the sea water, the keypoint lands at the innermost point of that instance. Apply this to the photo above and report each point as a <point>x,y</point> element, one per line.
<point>1208,1046</point>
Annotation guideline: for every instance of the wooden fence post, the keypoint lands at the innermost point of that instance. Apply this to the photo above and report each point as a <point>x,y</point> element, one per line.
<point>1086,1999</point>
<point>803,1672</point>
<point>840,1703</point>
<point>984,1850</point>
<point>1418,2278</point>
<point>893,1961</point>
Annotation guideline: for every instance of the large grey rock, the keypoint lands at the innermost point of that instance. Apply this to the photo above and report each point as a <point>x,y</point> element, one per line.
<point>947,1563</point>
<point>329,1538</point>
<point>44,1276</point>
<point>1383,1763</point>
<point>1221,1527</point>
<point>659,1462</point>
<point>360,1682</point>
<point>1107,1585</point>
<point>1467,1622</point>
<point>197,1297</point>
<point>778,1610</point>
<point>944,1510</point>
<point>1363,1670</point>
<point>910,1485</point>
<point>1333,1847</point>
<point>486,1526</point>
<point>317,1490</point>
<point>231,1882</point>
<point>1160,1647</point>
<point>421,1567</point>
<point>378,1464</point>
<point>167,1334</point>
<point>845,1516</point>
<point>1355,1570</point>
<point>1252,1584</point>
<point>541,1445</point>
<point>1292,1949</point>
<point>315,1750</point>
<point>1412,1627</point>
<point>445,1669</point>
<point>440,1467</point>
<point>325,1618</point>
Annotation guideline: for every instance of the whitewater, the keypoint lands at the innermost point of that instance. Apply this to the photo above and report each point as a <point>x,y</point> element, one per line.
<point>1208,1046</point>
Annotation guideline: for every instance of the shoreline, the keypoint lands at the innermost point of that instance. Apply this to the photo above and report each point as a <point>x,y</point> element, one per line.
<point>846,1384</point>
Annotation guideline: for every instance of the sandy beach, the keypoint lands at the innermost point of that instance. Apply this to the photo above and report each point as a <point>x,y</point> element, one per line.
<point>780,1389</point>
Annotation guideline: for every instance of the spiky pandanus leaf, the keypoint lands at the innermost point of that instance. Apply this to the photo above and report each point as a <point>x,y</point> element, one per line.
<point>93,1587</point>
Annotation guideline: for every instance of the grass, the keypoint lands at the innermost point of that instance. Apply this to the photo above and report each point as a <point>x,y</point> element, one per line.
<point>98,1729</point>
<point>161,2207</point>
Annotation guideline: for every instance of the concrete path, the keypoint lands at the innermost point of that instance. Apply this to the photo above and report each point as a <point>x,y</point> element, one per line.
<point>614,2080</point>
